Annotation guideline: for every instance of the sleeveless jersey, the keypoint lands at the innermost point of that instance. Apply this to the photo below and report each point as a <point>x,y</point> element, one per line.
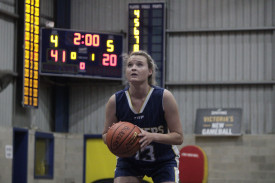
<point>150,118</point>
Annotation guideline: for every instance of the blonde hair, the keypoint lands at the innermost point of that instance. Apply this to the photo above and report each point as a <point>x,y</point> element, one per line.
<point>150,62</point>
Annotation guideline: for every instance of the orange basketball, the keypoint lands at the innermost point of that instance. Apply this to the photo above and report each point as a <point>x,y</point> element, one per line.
<point>122,139</point>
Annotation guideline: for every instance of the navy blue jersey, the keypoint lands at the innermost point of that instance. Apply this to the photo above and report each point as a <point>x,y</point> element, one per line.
<point>150,118</point>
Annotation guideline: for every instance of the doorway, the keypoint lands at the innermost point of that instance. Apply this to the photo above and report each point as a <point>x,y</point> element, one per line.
<point>20,155</point>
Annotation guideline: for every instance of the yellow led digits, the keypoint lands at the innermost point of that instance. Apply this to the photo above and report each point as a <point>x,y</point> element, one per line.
<point>80,54</point>
<point>110,45</point>
<point>31,50</point>
<point>73,55</point>
<point>146,31</point>
<point>136,30</point>
<point>93,57</point>
<point>137,13</point>
<point>136,22</point>
<point>54,40</point>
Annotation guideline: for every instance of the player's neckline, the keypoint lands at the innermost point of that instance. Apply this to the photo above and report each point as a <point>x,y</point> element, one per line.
<point>144,102</point>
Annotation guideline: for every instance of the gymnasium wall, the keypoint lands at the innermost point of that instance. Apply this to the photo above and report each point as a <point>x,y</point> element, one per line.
<point>248,158</point>
<point>7,58</point>
<point>219,54</point>
<point>68,158</point>
<point>6,137</point>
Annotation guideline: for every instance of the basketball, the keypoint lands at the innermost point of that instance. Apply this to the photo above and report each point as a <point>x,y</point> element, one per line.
<point>122,139</point>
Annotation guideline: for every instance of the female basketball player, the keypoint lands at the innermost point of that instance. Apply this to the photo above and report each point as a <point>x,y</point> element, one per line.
<point>154,110</point>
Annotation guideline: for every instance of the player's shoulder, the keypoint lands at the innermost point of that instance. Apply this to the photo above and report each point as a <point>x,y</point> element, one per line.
<point>120,96</point>
<point>158,90</point>
<point>122,91</point>
<point>167,95</point>
<point>157,87</point>
<point>165,92</point>
<point>112,99</point>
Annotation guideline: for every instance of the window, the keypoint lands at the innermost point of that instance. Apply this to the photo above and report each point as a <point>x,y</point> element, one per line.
<point>43,162</point>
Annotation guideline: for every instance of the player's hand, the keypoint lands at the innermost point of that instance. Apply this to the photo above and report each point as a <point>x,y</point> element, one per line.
<point>146,138</point>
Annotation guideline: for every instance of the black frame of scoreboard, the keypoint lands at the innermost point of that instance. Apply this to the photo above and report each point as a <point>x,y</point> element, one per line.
<point>146,31</point>
<point>95,58</point>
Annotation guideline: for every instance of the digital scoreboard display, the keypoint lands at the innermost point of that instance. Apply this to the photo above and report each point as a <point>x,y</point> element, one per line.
<point>31,53</point>
<point>146,32</point>
<point>80,54</point>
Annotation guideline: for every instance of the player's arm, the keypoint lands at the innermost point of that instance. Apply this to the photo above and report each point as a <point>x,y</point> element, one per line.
<point>172,117</point>
<point>175,134</point>
<point>110,116</point>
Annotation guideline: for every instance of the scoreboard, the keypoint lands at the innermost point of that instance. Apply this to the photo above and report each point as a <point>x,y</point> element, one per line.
<point>73,53</point>
<point>146,32</point>
<point>30,10</point>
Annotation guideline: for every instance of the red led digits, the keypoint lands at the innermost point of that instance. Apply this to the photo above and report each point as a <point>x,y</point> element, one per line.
<point>86,39</point>
<point>96,40</point>
<point>109,60</point>
<point>63,56</point>
<point>77,38</point>
<point>77,53</point>
<point>82,66</point>
<point>54,54</point>
<point>57,55</point>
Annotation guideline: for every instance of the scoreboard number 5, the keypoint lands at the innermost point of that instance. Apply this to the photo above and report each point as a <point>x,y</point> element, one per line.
<point>110,45</point>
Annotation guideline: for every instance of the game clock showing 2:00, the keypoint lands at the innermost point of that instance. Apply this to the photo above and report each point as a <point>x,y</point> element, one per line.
<point>80,54</point>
